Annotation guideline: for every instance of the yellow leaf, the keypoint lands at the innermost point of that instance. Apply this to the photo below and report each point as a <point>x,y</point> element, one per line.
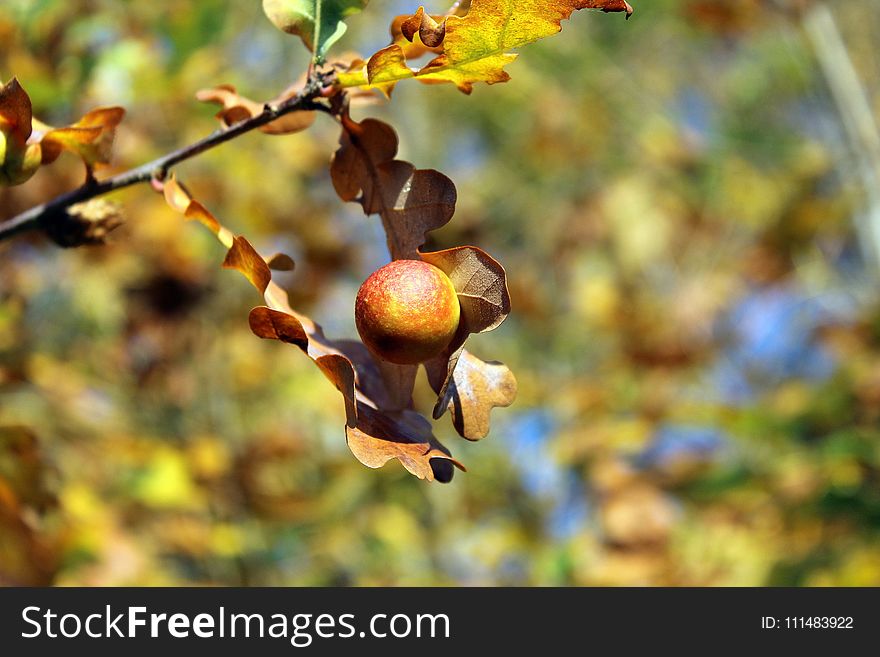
<point>478,46</point>
<point>91,137</point>
<point>384,69</point>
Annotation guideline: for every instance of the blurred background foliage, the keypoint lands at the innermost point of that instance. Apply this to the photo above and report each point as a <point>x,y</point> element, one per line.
<point>687,232</point>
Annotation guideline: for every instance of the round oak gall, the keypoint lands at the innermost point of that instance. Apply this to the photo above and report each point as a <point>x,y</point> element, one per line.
<point>407,312</point>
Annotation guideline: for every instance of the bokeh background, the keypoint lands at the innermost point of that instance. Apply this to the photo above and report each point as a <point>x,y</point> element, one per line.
<point>688,207</point>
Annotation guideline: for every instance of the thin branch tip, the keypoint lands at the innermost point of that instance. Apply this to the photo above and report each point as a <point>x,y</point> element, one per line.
<point>56,211</point>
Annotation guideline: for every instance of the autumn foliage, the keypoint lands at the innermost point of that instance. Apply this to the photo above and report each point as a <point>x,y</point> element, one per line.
<point>471,43</point>
<point>685,206</point>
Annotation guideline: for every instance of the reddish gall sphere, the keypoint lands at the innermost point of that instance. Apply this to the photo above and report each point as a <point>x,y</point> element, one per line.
<point>407,312</point>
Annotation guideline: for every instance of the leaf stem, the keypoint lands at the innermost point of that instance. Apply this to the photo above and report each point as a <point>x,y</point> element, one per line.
<point>41,217</point>
<point>317,57</point>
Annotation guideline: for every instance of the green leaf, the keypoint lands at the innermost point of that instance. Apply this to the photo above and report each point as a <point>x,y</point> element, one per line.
<point>319,23</point>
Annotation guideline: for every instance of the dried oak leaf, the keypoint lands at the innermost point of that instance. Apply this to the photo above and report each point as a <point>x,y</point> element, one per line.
<point>478,46</point>
<point>26,143</point>
<point>91,137</point>
<point>475,388</point>
<point>466,385</point>
<point>363,170</point>
<point>405,436</point>
<point>430,31</point>
<point>412,46</point>
<point>179,199</point>
<point>481,284</point>
<point>374,436</point>
<point>374,433</point>
<point>410,201</point>
<point>237,108</point>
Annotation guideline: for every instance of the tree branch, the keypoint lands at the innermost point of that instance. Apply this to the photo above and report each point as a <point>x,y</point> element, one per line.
<point>51,215</point>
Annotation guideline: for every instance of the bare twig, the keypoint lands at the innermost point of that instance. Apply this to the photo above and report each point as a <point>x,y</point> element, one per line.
<point>52,214</point>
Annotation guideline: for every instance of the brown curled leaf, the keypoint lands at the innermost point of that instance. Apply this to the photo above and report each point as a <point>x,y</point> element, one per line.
<point>442,368</point>
<point>379,426</point>
<point>176,195</point>
<point>363,171</point>
<point>362,147</point>
<point>235,108</point>
<point>362,376</point>
<point>15,112</point>
<point>382,434</point>
<point>475,388</point>
<point>374,436</point>
<point>243,257</point>
<point>180,200</point>
<point>91,137</point>
<point>413,48</point>
<point>280,322</point>
<point>481,283</point>
<point>405,436</point>
<point>340,372</point>
<point>388,66</point>
<point>275,325</point>
<point>430,30</point>
<point>411,202</point>
<point>198,212</point>
<point>410,25</point>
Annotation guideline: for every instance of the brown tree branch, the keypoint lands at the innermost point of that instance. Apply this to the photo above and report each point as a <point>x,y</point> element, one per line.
<point>52,215</point>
